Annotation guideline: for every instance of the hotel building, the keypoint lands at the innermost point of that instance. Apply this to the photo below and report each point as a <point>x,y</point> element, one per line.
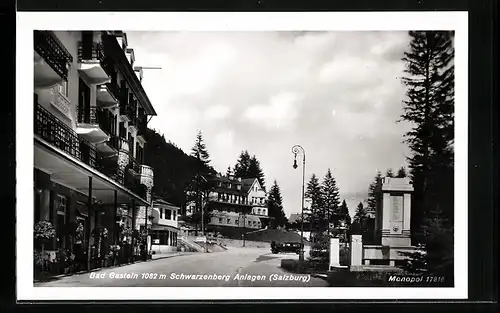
<point>90,118</point>
<point>236,206</point>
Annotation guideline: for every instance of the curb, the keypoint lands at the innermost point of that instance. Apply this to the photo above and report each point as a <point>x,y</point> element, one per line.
<point>322,276</point>
<point>109,267</point>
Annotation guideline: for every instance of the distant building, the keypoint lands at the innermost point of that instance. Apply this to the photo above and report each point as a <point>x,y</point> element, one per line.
<point>165,226</point>
<point>236,206</point>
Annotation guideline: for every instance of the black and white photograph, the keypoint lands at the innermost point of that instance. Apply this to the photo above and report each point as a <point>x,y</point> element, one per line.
<point>303,159</point>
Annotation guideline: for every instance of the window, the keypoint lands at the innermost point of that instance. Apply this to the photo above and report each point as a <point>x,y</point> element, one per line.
<point>219,184</point>
<point>236,221</point>
<point>228,185</point>
<point>161,213</point>
<point>264,211</point>
<point>122,130</point>
<point>220,220</point>
<point>254,223</point>
<point>63,88</point>
<point>174,215</point>
<point>168,214</point>
<point>229,221</point>
<point>174,239</point>
<point>238,187</point>
<point>258,211</point>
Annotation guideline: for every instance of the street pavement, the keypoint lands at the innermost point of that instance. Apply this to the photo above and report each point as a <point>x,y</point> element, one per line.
<point>235,267</point>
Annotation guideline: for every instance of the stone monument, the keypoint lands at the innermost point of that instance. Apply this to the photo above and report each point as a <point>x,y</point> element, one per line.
<point>396,211</point>
<point>334,253</point>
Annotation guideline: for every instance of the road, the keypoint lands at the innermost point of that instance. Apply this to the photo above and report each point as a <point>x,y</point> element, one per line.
<point>236,267</point>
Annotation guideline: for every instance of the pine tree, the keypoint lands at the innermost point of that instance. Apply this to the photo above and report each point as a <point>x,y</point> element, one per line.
<point>331,198</point>
<point>374,195</point>
<point>202,181</point>
<point>359,221</point>
<point>317,217</point>
<point>401,172</point>
<point>242,165</point>
<point>249,167</point>
<point>255,171</point>
<point>430,109</point>
<point>199,150</point>
<point>275,206</point>
<point>344,214</point>
<point>389,173</point>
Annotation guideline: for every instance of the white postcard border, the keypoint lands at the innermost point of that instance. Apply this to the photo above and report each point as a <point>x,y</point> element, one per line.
<point>177,21</point>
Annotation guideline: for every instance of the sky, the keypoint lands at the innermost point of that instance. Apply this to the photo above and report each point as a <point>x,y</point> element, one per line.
<point>337,94</point>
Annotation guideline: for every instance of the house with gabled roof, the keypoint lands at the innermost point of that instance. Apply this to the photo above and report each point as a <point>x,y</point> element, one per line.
<point>236,206</point>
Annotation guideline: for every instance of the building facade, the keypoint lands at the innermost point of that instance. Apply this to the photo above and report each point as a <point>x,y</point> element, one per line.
<point>235,206</point>
<point>90,117</point>
<point>165,226</point>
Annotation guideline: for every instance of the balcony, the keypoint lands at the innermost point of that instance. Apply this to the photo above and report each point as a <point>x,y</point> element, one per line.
<point>147,171</point>
<point>134,166</point>
<point>118,143</point>
<point>91,62</point>
<point>105,96</point>
<point>92,124</point>
<point>51,129</point>
<point>51,60</point>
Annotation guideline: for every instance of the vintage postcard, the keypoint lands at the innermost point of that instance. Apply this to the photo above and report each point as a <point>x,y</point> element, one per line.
<point>304,153</point>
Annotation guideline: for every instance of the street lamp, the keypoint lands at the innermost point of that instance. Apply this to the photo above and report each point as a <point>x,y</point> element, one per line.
<point>296,150</point>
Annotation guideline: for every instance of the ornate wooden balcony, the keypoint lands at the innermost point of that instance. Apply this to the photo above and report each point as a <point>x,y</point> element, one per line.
<point>51,59</point>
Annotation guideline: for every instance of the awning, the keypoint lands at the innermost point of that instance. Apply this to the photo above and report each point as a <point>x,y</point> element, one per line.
<point>73,173</point>
<point>164,227</point>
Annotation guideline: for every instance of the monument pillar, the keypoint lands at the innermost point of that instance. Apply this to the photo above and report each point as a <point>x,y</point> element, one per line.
<point>334,252</point>
<point>356,250</point>
<point>396,210</point>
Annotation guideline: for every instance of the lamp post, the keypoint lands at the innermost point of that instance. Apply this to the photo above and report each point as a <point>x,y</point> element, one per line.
<point>296,150</point>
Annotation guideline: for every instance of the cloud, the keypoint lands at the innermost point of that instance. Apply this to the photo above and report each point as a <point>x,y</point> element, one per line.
<point>338,94</point>
<point>217,112</point>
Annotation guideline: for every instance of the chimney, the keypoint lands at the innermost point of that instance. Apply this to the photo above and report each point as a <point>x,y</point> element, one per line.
<point>129,52</point>
<point>138,71</point>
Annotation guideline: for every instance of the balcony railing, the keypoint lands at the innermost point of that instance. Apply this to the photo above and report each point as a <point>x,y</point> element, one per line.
<point>48,46</point>
<point>51,129</point>
<point>119,143</point>
<point>105,121</point>
<point>113,89</point>
<point>109,166</point>
<point>134,165</point>
<point>88,116</point>
<point>90,54</point>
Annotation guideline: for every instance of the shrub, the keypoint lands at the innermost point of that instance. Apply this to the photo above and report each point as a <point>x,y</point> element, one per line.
<point>44,230</point>
<point>295,266</point>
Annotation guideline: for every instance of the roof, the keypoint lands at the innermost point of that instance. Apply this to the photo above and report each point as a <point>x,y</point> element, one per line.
<point>245,183</point>
<point>162,203</point>
<point>276,235</point>
<point>294,217</point>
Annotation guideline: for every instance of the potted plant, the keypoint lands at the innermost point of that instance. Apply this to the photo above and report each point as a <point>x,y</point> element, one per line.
<point>43,231</point>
